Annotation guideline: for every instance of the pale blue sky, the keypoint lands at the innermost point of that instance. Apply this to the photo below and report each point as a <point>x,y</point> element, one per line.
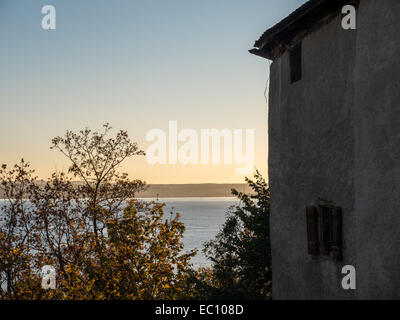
<point>137,65</point>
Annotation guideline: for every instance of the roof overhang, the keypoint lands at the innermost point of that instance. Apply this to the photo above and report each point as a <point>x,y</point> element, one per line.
<point>306,19</point>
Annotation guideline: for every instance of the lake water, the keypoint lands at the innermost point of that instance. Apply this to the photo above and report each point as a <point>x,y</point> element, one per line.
<point>203,218</point>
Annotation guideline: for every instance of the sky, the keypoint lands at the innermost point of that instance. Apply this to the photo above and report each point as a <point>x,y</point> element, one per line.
<point>136,65</point>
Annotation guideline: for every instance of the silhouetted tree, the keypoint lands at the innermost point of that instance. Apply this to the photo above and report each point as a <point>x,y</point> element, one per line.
<point>241,252</point>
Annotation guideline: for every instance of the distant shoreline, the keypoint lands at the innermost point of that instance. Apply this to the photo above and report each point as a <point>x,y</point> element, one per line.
<point>195,190</point>
<point>204,190</point>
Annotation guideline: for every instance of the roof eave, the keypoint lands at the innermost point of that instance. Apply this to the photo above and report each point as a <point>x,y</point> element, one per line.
<point>309,17</point>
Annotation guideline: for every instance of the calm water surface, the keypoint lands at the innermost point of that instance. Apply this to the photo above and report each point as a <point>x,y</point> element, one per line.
<point>203,217</point>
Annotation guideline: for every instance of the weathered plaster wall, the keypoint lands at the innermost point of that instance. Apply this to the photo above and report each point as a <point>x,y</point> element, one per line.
<point>377,149</point>
<point>335,134</point>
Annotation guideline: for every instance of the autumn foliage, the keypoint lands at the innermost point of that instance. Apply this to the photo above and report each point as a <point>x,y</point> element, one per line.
<point>87,224</point>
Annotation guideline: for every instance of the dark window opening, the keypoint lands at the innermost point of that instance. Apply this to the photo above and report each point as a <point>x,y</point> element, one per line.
<point>324,231</point>
<point>295,63</point>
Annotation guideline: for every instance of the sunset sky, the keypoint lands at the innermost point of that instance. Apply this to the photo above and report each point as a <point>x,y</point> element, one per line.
<point>136,65</point>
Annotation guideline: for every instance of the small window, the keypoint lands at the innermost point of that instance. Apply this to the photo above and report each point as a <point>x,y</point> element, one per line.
<point>295,63</point>
<point>324,231</point>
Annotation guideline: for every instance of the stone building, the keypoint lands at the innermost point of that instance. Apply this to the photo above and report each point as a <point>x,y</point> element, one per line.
<point>334,148</point>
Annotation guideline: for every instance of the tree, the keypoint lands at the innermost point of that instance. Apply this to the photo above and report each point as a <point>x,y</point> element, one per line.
<point>16,276</point>
<point>145,249</point>
<point>102,242</point>
<point>241,252</point>
<point>94,160</point>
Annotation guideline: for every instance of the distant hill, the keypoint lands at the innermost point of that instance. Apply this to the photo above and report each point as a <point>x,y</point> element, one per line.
<point>192,190</point>
<point>187,190</point>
